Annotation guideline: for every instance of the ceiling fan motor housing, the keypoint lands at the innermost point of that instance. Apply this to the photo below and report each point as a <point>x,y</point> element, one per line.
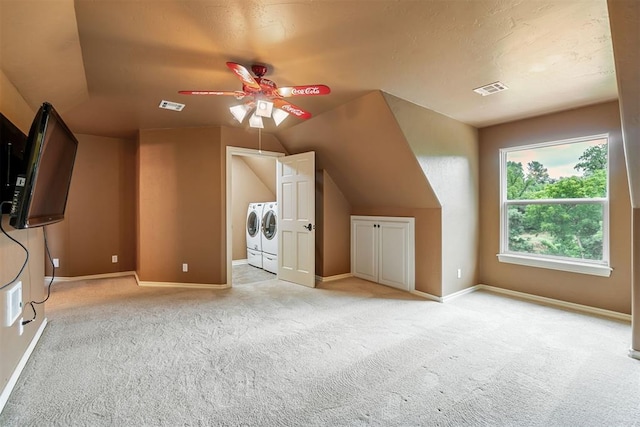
<point>259,70</point>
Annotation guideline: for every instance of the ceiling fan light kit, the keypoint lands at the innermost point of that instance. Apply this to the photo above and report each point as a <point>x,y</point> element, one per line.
<point>264,96</point>
<point>255,121</point>
<point>279,116</point>
<point>264,108</point>
<point>239,112</point>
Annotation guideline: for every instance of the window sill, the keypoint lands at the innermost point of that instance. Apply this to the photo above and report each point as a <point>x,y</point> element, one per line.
<point>553,264</point>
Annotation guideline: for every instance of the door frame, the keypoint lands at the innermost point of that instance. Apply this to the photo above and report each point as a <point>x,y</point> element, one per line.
<point>230,152</point>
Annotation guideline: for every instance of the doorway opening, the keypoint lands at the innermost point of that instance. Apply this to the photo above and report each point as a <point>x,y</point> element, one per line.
<point>251,181</point>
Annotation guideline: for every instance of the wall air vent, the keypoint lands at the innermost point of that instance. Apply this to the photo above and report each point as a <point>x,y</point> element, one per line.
<point>490,89</point>
<point>168,105</point>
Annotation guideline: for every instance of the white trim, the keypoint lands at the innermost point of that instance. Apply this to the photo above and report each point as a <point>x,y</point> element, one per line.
<point>182,285</point>
<point>535,298</point>
<point>426,295</point>
<point>460,293</point>
<point>558,303</point>
<point>635,354</point>
<point>4,396</point>
<point>230,152</point>
<point>90,277</point>
<point>320,279</point>
<point>556,264</point>
<point>239,262</point>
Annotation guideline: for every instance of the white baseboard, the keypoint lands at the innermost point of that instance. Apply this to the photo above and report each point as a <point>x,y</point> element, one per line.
<point>47,279</point>
<point>321,279</point>
<point>534,298</point>
<point>465,291</point>
<point>634,354</point>
<point>239,262</point>
<point>426,295</point>
<point>445,298</point>
<point>4,396</point>
<point>183,285</point>
<point>557,303</point>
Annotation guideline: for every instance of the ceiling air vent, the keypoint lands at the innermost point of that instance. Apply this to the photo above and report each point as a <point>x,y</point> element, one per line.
<point>168,105</point>
<point>490,89</point>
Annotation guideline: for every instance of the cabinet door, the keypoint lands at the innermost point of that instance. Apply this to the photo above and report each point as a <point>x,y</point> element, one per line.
<point>364,250</point>
<point>394,247</point>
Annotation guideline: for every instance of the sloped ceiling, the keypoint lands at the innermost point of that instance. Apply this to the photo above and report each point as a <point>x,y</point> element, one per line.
<point>41,52</point>
<point>366,154</point>
<point>264,168</point>
<point>108,64</point>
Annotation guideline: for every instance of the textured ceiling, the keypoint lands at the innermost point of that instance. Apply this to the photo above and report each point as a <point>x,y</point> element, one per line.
<point>108,64</point>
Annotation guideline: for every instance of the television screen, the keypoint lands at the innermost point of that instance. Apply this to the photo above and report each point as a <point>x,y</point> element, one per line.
<point>40,195</point>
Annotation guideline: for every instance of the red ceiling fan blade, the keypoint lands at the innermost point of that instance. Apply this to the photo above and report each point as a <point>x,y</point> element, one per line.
<point>292,109</point>
<point>238,93</point>
<point>307,90</point>
<point>244,75</point>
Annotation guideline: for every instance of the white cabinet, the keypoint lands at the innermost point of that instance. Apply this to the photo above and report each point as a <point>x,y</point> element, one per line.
<point>383,250</point>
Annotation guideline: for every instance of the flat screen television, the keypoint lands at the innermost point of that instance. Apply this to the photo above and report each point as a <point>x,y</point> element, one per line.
<point>40,194</point>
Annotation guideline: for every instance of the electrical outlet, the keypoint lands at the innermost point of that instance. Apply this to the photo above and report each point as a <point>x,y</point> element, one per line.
<point>21,326</point>
<point>459,273</point>
<point>185,267</point>
<point>114,258</point>
<point>56,262</point>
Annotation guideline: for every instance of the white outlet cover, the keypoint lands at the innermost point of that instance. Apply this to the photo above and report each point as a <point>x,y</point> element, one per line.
<point>114,258</point>
<point>56,262</point>
<point>185,267</point>
<point>12,303</point>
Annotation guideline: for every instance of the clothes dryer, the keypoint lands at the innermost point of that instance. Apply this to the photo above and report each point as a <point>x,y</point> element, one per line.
<point>270,237</point>
<point>254,234</point>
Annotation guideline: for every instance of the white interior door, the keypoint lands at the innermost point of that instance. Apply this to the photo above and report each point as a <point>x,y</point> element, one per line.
<point>296,218</point>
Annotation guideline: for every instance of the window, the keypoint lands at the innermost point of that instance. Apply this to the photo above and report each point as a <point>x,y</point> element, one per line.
<point>555,205</point>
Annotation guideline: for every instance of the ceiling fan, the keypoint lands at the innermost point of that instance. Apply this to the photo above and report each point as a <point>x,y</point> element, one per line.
<point>264,96</point>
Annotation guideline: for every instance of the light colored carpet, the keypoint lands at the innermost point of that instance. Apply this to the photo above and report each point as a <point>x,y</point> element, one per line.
<point>351,353</point>
<point>245,273</point>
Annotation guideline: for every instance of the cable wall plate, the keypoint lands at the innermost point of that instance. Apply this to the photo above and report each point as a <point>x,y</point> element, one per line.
<point>12,302</point>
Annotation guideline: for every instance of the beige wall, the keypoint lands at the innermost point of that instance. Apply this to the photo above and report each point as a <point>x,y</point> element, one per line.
<point>100,215</point>
<point>611,293</point>
<point>635,340</point>
<point>12,344</point>
<point>447,151</point>
<point>333,228</point>
<point>247,187</point>
<point>624,18</point>
<point>179,213</point>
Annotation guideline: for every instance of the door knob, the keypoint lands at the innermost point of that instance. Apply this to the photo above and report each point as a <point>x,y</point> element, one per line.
<point>309,227</point>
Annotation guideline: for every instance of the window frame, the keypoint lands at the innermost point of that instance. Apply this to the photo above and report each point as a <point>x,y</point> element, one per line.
<point>583,266</point>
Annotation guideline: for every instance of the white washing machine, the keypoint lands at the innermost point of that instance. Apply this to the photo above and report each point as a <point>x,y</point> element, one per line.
<point>254,234</point>
<point>270,237</point>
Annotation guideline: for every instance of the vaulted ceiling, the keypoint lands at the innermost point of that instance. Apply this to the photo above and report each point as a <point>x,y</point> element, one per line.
<point>106,65</point>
